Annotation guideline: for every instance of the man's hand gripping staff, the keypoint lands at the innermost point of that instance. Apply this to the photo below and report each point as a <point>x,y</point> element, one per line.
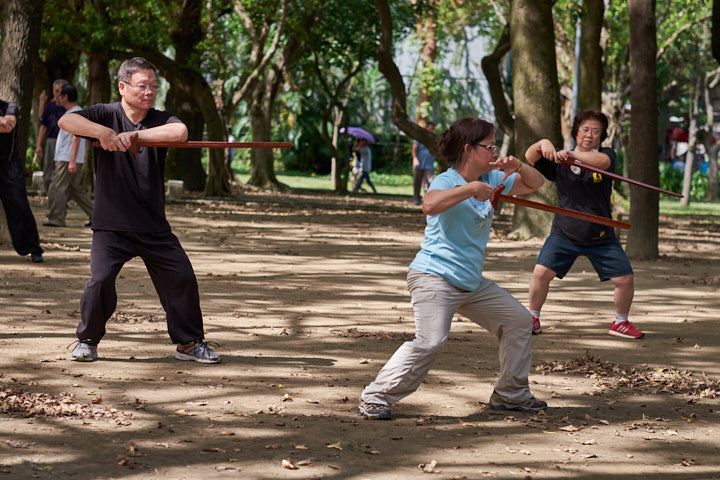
<point>131,142</point>
<point>498,196</point>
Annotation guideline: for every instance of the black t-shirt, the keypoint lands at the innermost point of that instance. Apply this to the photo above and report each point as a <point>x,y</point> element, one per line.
<point>50,116</point>
<point>583,191</point>
<point>129,189</point>
<point>9,141</point>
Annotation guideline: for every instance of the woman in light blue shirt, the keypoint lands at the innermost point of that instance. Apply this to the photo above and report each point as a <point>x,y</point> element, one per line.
<point>446,275</point>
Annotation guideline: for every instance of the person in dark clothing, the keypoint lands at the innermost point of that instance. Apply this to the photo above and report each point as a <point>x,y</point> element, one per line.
<point>48,132</point>
<point>13,193</point>
<point>129,218</point>
<point>570,238</point>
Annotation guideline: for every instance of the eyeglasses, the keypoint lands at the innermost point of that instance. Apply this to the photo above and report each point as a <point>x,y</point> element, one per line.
<point>143,88</point>
<point>492,148</point>
<point>593,131</point>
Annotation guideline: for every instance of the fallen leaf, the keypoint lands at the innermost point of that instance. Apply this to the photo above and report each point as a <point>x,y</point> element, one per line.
<point>287,463</point>
<point>587,442</point>
<point>428,467</point>
<point>570,428</point>
<point>17,444</point>
<point>287,398</point>
<point>363,361</point>
<point>336,446</point>
<point>300,447</point>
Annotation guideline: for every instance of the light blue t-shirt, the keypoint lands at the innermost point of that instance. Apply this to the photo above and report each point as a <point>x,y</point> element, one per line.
<point>455,240</point>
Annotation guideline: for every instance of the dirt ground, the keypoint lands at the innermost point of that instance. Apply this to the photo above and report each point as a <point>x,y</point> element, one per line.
<point>305,295</point>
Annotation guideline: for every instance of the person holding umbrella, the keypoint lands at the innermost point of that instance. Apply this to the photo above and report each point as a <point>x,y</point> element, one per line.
<point>361,146</point>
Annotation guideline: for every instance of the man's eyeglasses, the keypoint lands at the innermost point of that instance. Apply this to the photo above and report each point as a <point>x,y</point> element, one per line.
<point>492,148</point>
<point>143,88</point>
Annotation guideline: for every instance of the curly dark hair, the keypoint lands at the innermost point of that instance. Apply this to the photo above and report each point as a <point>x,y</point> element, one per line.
<point>466,131</point>
<point>590,115</point>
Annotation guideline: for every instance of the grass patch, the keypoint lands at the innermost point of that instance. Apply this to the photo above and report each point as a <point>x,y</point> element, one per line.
<point>673,207</point>
<point>385,183</point>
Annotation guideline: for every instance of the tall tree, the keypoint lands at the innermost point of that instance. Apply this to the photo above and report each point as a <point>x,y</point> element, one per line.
<point>18,57</point>
<point>591,71</point>
<point>426,29</point>
<point>536,97</point>
<point>186,163</point>
<point>642,242</point>
<point>397,86</point>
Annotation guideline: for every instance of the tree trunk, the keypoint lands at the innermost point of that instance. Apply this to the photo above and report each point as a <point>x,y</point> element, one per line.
<point>397,87</point>
<point>99,88</point>
<point>642,240</point>
<point>426,28</point>
<point>536,98</point>
<point>186,163</point>
<point>692,144</point>
<point>18,57</point>
<point>591,68</point>
<point>491,65</point>
<point>262,169</point>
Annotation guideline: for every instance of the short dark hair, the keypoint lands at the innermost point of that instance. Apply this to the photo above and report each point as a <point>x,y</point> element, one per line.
<point>429,123</point>
<point>466,131</point>
<point>590,115</point>
<point>70,91</point>
<point>131,66</point>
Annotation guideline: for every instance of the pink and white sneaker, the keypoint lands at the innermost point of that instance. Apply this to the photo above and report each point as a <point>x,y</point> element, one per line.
<point>625,330</point>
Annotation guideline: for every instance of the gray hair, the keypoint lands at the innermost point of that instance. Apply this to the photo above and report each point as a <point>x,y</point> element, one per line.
<point>134,65</point>
<point>60,81</point>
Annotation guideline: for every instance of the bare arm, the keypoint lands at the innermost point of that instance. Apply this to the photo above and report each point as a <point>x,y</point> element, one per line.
<point>595,159</point>
<point>7,123</point>
<point>112,141</point>
<point>72,165</point>
<point>438,201</point>
<point>416,162</point>
<point>546,150</point>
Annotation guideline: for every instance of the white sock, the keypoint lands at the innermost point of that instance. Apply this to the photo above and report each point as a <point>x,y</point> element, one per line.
<point>621,317</point>
<point>535,313</point>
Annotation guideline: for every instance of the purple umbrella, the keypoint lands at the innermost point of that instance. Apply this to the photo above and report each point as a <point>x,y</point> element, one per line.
<point>358,132</point>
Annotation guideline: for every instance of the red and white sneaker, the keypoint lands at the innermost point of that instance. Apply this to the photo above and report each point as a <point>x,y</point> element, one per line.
<point>625,330</point>
<point>536,328</point>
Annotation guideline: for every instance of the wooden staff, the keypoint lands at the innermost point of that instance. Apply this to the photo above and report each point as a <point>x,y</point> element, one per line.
<point>199,144</point>
<point>609,222</point>
<point>590,168</point>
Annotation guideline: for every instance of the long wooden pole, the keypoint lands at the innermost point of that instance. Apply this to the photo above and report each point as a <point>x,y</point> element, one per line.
<point>609,222</point>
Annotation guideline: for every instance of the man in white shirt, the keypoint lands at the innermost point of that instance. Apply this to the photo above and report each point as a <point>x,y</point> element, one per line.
<point>69,160</point>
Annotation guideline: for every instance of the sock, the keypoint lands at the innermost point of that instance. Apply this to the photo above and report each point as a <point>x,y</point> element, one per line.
<point>621,317</point>
<point>535,313</point>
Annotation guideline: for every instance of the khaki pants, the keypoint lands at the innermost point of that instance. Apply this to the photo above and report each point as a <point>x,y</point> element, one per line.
<point>435,301</point>
<point>65,185</point>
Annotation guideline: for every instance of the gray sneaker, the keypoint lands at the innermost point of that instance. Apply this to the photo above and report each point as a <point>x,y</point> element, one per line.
<point>531,405</point>
<point>198,351</point>
<point>84,352</point>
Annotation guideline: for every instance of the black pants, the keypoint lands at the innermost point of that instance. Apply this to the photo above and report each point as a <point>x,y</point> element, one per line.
<point>171,274</point>
<point>21,223</point>
<point>364,176</point>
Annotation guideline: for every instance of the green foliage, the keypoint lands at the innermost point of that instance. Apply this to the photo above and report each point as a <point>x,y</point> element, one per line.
<point>671,178</point>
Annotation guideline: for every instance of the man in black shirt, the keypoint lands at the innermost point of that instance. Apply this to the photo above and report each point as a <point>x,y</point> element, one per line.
<point>129,218</point>
<point>20,219</point>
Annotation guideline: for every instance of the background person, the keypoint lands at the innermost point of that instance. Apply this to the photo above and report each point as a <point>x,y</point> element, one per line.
<point>366,164</point>
<point>13,193</point>
<point>446,275</point>
<point>69,161</point>
<point>570,238</point>
<point>423,166</point>
<point>129,217</point>
<point>48,133</point>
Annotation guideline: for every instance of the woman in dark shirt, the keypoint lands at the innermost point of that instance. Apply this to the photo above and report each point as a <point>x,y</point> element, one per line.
<point>570,238</point>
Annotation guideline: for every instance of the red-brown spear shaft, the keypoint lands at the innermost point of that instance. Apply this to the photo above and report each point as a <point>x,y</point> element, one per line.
<point>609,222</point>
